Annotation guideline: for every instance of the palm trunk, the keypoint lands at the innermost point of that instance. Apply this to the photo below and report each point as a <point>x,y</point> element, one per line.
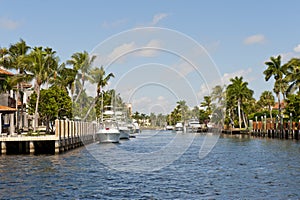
<point>245,121</point>
<point>17,113</point>
<point>80,91</point>
<point>270,110</point>
<point>239,112</point>
<point>92,106</point>
<point>36,107</point>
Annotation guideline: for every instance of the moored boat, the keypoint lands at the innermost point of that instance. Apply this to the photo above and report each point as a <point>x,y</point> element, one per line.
<point>193,125</point>
<point>179,127</point>
<point>109,130</point>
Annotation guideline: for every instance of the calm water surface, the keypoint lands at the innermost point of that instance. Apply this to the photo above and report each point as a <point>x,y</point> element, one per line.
<point>236,168</point>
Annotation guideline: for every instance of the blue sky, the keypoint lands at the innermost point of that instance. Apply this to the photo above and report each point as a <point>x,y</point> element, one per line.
<point>239,36</point>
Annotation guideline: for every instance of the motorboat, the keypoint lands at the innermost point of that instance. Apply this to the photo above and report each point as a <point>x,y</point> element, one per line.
<point>169,128</point>
<point>109,130</point>
<point>179,127</point>
<point>193,126</point>
<point>136,128</point>
<point>122,124</point>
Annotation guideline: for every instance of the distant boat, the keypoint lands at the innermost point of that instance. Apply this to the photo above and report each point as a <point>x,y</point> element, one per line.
<point>179,127</point>
<point>136,127</point>
<point>193,125</point>
<point>169,127</point>
<point>122,123</point>
<point>109,130</point>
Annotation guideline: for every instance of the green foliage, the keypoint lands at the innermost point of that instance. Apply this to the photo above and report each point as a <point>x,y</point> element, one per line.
<point>260,114</point>
<point>293,106</point>
<point>54,103</point>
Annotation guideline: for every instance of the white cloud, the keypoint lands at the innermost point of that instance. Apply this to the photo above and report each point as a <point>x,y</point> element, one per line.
<point>255,39</point>
<point>121,50</point>
<point>297,48</point>
<point>157,18</point>
<point>154,44</point>
<point>8,24</point>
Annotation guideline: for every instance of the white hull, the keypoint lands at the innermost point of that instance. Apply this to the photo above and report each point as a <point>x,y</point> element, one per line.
<point>177,129</point>
<point>124,134</point>
<point>109,137</point>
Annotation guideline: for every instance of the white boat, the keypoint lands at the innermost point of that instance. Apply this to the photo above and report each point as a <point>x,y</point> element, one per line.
<point>169,128</point>
<point>179,127</point>
<point>109,130</point>
<point>123,124</point>
<point>193,125</point>
<point>136,127</point>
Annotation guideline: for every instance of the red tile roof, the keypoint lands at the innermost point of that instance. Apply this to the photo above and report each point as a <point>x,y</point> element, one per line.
<point>5,109</point>
<point>5,72</point>
<point>282,105</point>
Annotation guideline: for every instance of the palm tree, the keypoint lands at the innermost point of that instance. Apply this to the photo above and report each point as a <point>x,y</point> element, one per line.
<point>39,67</point>
<point>182,110</point>
<point>292,69</point>
<point>238,91</point>
<point>275,69</point>
<point>207,103</point>
<point>98,76</point>
<point>267,100</point>
<point>52,64</point>
<point>12,58</point>
<point>81,63</point>
<point>64,78</point>
<point>218,93</point>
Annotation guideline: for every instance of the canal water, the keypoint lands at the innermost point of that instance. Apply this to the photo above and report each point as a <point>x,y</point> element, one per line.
<point>140,168</point>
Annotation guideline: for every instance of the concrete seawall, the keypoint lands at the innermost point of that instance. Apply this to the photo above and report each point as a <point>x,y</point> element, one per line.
<point>68,135</point>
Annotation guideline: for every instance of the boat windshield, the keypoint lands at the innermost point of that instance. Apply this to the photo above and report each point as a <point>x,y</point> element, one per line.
<point>110,124</point>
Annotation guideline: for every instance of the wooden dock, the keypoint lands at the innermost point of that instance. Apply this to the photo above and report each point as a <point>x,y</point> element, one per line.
<point>68,135</point>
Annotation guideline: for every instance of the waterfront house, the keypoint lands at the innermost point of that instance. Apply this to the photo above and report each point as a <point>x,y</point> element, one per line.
<point>7,105</point>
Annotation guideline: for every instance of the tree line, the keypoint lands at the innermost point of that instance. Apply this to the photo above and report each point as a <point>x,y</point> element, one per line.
<point>237,101</point>
<point>64,95</point>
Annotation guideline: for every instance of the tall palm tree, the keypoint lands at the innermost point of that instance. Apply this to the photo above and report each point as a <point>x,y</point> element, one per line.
<point>293,75</point>
<point>81,62</point>
<point>238,90</point>
<point>12,58</point>
<point>218,93</point>
<point>98,76</point>
<point>38,66</point>
<point>52,64</point>
<point>275,69</point>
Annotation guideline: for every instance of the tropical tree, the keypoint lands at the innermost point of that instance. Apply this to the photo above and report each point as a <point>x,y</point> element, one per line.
<point>81,63</point>
<point>98,76</point>
<point>52,65</point>
<point>267,99</point>
<point>218,94</point>
<point>293,106</point>
<point>207,104</point>
<point>238,91</point>
<point>12,58</point>
<point>39,66</point>
<point>275,69</point>
<point>54,103</point>
<point>292,70</point>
